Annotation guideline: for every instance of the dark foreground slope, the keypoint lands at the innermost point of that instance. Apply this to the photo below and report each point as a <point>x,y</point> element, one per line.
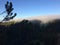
<point>30,33</point>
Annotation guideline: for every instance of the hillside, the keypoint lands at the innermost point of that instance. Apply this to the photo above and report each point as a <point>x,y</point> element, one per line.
<point>30,32</point>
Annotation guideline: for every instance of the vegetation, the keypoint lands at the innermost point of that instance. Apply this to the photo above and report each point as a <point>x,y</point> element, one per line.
<point>7,23</point>
<point>28,33</point>
<point>9,8</point>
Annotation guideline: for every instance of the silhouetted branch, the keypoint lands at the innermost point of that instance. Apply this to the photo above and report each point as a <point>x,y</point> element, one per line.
<point>9,8</point>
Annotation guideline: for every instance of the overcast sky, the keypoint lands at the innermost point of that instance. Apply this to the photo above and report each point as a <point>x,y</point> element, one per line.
<point>28,8</point>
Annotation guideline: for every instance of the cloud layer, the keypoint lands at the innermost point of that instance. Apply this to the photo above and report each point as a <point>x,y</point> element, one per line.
<point>42,18</point>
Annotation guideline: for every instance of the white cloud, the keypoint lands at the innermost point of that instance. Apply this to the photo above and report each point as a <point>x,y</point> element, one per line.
<point>42,18</point>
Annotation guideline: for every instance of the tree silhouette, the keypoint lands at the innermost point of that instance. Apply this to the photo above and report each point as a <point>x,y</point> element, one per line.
<point>9,8</point>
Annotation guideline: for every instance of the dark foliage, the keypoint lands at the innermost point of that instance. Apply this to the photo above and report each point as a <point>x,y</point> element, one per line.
<point>9,8</point>
<point>29,33</point>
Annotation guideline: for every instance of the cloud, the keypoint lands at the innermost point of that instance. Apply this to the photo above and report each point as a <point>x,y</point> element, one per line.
<point>44,19</point>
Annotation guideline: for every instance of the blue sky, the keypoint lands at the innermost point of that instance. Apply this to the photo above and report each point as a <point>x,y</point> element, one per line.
<point>28,8</point>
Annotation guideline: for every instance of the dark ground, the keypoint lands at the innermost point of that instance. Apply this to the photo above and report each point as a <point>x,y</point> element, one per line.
<point>28,33</point>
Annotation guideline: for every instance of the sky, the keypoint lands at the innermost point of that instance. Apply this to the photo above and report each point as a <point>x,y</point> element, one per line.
<point>29,8</point>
